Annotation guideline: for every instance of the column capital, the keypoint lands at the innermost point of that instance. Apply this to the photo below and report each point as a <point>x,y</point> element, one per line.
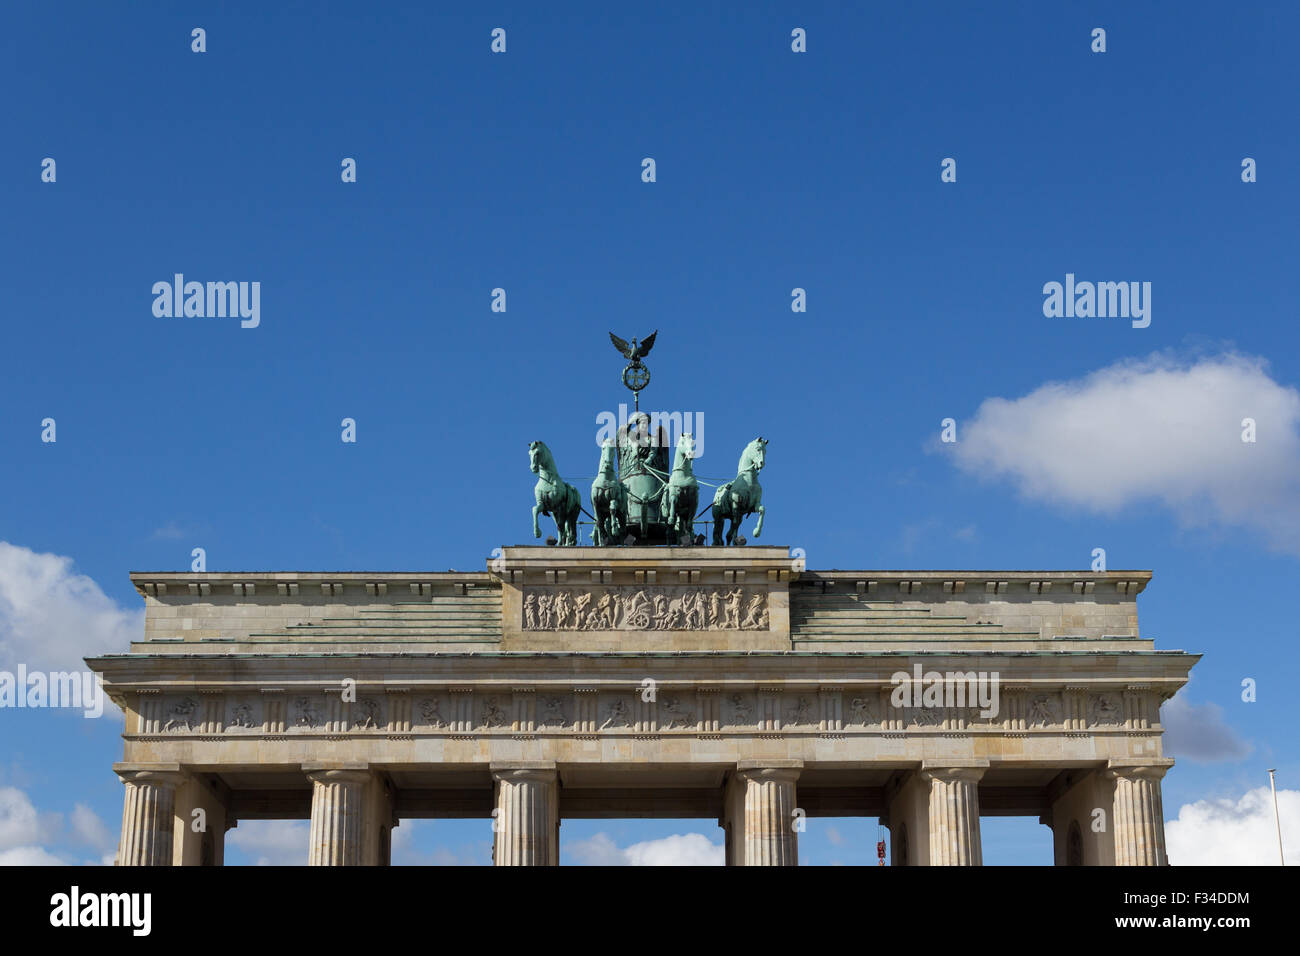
<point>1130,768</point>
<point>961,769</point>
<point>169,775</point>
<point>773,769</point>
<point>337,772</point>
<point>524,770</point>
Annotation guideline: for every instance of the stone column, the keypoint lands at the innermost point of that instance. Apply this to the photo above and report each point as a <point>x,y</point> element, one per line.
<point>1081,835</point>
<point>336,800</point>
<point>526,821</point>
<point>765,802</point>
<point>954,815</point>
<point>148,814</point>
<point>1138,817</point>
<point>200,836</point>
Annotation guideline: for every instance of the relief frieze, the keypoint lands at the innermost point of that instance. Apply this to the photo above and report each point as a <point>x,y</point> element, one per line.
<point>667,608</point>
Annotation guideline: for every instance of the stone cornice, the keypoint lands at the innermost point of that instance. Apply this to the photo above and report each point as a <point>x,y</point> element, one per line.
<point>1047,584</point>
<point>761,563</point>
<point>282,584</point>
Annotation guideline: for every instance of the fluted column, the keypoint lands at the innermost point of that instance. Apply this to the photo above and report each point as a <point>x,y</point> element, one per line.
<point>769,837</point>
<point>526,821</point>
<point>336,816</point>
<point>1138,815</point>
<point>148,815</point>
<point>954,815</point>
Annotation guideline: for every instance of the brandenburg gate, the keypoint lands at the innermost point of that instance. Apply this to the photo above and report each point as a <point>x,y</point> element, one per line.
<point>645,676</point>
<point>715,682</point>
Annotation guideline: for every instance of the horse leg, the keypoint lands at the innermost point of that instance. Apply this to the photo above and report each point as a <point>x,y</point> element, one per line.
<point>537,508</point>
<point>719,519</point>
<point>758,529</point>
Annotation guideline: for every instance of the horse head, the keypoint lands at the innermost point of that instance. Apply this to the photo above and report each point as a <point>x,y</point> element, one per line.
<point>607,452</point>
<point>755,456</point>
<point>539,458</point>
<point>685,452</point>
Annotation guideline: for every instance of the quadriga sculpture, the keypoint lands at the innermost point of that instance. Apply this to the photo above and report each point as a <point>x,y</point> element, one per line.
<point>742,496</point>
<point>554,496</point>
<point>608,499</point>
<point>681,495</point>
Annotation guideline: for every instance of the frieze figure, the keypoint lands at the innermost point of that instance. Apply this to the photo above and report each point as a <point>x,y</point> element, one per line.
<point>366,714</point>
<point>493,715</point>
<point>242,716</point>
<point>1104,710</point>
<point>928,716</point>
<point>307,716</point>
<point>674,714</point>
<point>1041,711</point>
<point>741,712</point>
<point>732,618</point>
<point>429,711</point>
<point>553,712</point>
<point>182,714</point>
<point>580,603</point>
<point>561,609</point>
<point>802,713</point>
<point>618,715</point>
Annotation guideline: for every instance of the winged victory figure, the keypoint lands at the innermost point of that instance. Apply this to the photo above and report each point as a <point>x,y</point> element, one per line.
<point>634,351</point>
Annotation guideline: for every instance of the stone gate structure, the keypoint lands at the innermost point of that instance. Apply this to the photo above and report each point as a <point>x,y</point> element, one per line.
<point>726,683</point>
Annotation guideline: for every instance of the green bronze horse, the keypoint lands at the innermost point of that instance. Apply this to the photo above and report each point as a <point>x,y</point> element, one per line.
<point>554,496</point>
<point>681,495</point>
<point>742,496</point>
<point>608,499</point>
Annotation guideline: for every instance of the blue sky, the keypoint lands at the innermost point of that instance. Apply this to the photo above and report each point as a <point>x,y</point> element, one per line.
<point>775,170</point>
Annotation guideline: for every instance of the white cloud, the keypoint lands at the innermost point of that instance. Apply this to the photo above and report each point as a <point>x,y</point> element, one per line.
<point>680,849</point>
<point>171,531</point>
<point>1235,833</point>
<point>26,834</point>
<point>271,842</point>
<point>1197,732</point>
<point>19,823</point>
<point>1152,430</point>
<point>90,830</point>
<point>51,617</point>
<point>29,856</point>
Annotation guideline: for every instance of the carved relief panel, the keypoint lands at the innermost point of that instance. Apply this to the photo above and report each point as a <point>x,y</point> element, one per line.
<point>649,608</point>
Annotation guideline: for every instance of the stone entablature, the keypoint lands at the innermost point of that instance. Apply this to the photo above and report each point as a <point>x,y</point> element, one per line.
<point>553,697</point>
<point>586,681</point>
